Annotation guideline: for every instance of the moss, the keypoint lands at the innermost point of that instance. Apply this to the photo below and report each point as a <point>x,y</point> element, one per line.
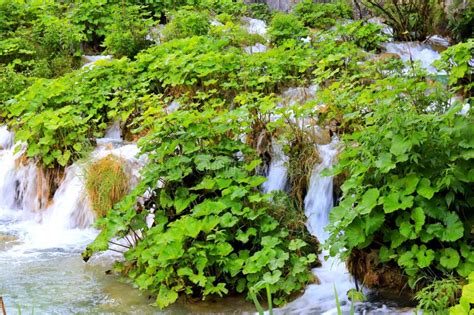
<point>106,183</point>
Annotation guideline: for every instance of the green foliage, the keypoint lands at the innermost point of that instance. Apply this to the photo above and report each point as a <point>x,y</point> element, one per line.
<point>284,27</point>
<point>438,296</point>
<point>36,40</point>
<point>93,17</point>
<point>213,232</point>
<point>260,11</point>
<point>411,19</point>
<point>59,119</point>
<point>367,36</point>
<point>106,183</point>
<point>461,19</point>
<point>126,36</point>
<point>466,302</point>
<point>321,15</point>
<point>457,61</point>
<point>187,23</point>
<point>408,190</point>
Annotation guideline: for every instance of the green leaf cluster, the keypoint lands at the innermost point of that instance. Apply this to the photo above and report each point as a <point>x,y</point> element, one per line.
<point>212,231</point>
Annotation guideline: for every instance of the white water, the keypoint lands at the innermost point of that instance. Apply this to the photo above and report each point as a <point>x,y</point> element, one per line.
<point>277,172</point>
<point>320,298</point>
<point>415,52</point>
<point>40,242</point>
<point>255,26</point>
<point>92,59</point>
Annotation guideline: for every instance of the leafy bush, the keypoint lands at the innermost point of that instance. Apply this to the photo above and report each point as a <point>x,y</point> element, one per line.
<point>407,190</point>
<point>93,17</point>
<point>59,119</point>
<point>367,36</point>
<point>321,15</point>
<point>126,36</point>
<point>466,302</point>
<point>186,24</point>
<point>284,27</point>
<point>211,232</point>
<point>457,61</point>
<point>438,296</point>
<point>106,184</point>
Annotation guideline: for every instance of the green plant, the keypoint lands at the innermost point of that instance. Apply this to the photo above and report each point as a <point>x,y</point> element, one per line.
<point>106,183</point>
<point>58,119</point>
<point>412,19</point>
<point>466,301</point>
<point>321,15</point>
<point>187,23</point>
<point>126,36</point>
<point>213,232</point>
<point>365,35</point>
<point>438,296</point>
<point>408,190</point>
<point>284,27</point>
<point>92,17</point>
<point>457,61</point>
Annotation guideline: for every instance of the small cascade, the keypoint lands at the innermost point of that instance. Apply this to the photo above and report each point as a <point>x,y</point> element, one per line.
<point>320,298</point>
<point>278,170</point>
<point>319,199</point>
<point>415,51</point>
<point>64,222</point>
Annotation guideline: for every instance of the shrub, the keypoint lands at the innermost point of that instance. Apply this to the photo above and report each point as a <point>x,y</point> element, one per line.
<point>284,27</point>
<point>212,231</point>
<point>186,24</point>
<point>457,61</point>
<point>92,17</point>
<point>126,36</point>
<point>407,190</point>
<point>106,184</point>
<point>321,15</point>
<point>367,36</point>
<point>58,119</point>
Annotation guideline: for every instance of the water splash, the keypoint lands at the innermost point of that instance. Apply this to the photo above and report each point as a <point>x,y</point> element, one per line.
<point>278,170</point>
<point>415,51</point>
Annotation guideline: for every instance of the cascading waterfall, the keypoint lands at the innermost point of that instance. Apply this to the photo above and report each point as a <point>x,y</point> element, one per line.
<point>320,298</point>
<point>40,241</point>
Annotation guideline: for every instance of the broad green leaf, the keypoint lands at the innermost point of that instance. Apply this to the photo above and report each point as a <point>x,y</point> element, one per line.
<point>449,258</point>
<point>424,188</point>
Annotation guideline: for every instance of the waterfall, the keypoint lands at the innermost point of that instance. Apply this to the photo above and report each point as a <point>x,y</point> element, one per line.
<point>277,172</point>
<point>65,221</point>
<point>320,298</point>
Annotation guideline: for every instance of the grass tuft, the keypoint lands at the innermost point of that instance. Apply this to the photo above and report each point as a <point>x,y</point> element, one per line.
<point>106,183</point>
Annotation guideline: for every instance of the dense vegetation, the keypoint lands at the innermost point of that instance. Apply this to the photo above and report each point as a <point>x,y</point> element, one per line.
<point>207,113</point>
